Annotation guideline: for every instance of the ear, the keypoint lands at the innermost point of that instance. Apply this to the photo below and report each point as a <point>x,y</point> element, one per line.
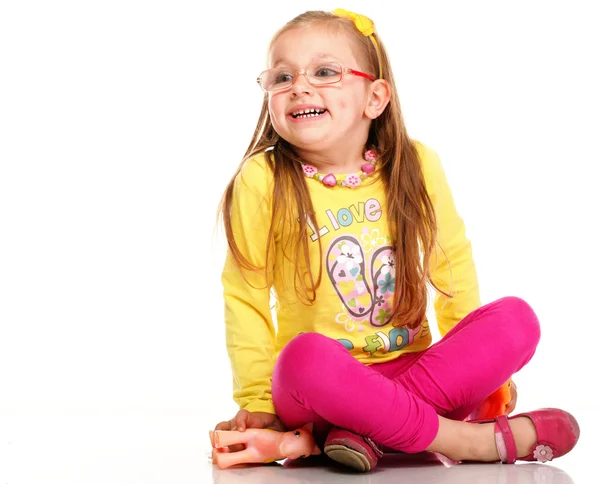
<point>380,93</point>
<point>308,427</point>
<point>315,450</point>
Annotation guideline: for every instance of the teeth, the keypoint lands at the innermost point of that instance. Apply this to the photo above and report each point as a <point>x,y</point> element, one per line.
<point>308,112</point>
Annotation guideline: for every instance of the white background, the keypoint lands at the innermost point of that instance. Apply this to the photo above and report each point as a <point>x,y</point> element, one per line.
<point>122,121</point>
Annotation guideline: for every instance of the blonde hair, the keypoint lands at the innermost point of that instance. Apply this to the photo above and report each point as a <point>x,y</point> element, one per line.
<point>411,215</point>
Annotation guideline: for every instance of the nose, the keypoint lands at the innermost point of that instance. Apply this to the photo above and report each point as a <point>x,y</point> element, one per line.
<point>300,84</point>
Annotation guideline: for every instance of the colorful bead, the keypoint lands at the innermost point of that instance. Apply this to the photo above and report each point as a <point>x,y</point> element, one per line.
<point>352,180</point>
<point>309,170</point>
<point>370,155</point>
<point>330,180</point>
<point>368,168</point>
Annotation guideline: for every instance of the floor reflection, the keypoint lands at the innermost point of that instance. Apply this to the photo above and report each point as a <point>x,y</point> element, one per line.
<point>392,469</point>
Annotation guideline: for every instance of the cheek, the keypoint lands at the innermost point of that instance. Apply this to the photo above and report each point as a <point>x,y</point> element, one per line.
<point>339,101</point>
<point>348,103</point>
<point>350,108</point>
<point>276,106</point>
<point>273,114</point>
<point>276,114</point>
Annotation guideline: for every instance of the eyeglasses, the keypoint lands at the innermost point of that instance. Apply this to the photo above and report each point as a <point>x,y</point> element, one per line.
<point>280,78</point>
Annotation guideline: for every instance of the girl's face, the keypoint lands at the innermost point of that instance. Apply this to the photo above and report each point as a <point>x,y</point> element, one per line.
<point>343,121</point>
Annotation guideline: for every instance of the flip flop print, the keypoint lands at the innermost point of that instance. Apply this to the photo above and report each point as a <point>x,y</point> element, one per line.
<point>383,272</point>
<point>363,296</point>
<point>346,268</point>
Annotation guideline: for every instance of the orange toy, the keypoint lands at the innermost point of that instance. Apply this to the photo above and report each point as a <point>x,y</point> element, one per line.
<point>262,445</point>
<point>494,405</point>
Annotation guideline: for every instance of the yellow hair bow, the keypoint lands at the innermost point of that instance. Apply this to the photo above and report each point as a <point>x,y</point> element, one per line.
<point>365,26</point>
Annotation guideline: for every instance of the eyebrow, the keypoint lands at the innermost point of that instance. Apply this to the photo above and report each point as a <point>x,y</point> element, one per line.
<point>318,56</point>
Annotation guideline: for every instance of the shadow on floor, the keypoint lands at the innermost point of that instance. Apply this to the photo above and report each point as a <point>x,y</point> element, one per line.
<point>392,468</point>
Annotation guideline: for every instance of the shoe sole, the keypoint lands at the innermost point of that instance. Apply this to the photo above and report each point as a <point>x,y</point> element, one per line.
<point>348,457</point>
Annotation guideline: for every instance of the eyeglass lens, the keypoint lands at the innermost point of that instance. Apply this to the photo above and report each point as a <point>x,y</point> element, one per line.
<point>283,77</point>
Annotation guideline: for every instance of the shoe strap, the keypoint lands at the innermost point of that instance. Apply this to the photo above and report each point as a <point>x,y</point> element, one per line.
<point>505,441</point>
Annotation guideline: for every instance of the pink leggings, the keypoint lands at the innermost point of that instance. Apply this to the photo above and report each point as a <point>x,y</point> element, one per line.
<point>397,403</point>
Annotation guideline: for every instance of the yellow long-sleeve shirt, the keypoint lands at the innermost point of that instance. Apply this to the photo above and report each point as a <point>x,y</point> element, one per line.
<point>353,302</point>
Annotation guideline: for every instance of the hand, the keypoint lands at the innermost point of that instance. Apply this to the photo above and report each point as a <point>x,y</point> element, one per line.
<point>513,397</point>
<point>250,420</point>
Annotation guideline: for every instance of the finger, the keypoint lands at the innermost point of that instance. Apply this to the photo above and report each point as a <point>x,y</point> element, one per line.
<point>240,420</point>
<point>277,425</point>
<point>226,425</point>
<point>254,421</point>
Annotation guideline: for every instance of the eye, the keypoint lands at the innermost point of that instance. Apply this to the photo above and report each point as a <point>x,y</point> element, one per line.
<point>327,71</point>
<point>303,456</point>
<point>297,434</point>
<point>282,77</point>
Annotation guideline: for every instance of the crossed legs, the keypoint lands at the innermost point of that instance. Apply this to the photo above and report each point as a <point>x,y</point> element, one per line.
<point>417,401</point>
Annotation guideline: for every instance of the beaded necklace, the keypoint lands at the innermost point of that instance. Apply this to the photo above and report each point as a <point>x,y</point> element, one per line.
<point>350,181</point>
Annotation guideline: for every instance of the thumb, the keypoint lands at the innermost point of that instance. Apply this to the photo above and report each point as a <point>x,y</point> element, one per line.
<point>241,420</point>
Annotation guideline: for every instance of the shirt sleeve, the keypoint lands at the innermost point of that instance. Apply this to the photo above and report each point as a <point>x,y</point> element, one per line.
<point>452,266</point>
<point>250,333</point>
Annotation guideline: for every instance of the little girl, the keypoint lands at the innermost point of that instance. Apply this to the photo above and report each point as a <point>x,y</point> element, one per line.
<point>344,220</point>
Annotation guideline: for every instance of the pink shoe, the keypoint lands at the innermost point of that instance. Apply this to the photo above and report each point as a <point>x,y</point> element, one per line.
<point>557,433</point>
<point>352,450</point>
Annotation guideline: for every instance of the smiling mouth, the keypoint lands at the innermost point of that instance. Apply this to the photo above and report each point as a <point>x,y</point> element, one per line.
<point>308,113</point>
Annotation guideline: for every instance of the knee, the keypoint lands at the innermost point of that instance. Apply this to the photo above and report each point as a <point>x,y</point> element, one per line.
<point>303,357</point>
<point>519,322</point>
<point>306,349</point>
